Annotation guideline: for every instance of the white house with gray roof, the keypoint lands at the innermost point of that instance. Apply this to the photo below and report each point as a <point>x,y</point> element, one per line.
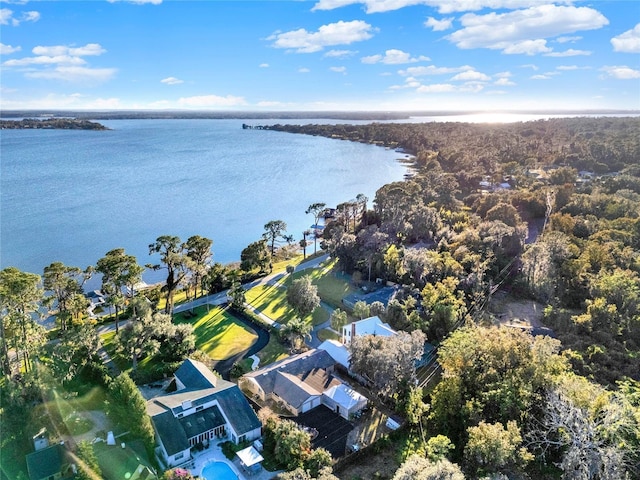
<point>303,382</point>
<point>202,408</point>
<point>368,326</point>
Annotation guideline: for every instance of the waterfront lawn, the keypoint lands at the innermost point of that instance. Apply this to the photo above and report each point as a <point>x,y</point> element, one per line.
<point>332,286</point>
<point>272,301</point>
<point>218,332</point>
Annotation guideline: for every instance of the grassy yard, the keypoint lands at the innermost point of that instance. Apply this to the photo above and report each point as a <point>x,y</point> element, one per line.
<point>218,333</point>
<point>272,299</point>
<point>332,286</point>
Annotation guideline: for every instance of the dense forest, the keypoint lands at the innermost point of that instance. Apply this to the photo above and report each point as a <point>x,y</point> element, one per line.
<point>547,211</point>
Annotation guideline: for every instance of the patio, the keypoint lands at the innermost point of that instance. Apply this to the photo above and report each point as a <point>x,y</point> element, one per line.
<point>214,454</point>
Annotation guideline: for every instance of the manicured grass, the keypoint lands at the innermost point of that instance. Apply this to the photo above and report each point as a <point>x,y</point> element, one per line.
<point>326,334</point>
<point>332,285</point>
<point>178,298</point>
<point>273,352</point>
<point>218,333</point>
<point>272,301</point>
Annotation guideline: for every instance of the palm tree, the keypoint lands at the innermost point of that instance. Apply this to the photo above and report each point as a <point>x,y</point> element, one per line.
<point>296,331</point>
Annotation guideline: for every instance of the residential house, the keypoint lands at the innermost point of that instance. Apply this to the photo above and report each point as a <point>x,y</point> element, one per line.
<point>49,463</point>
<point>302,382</point>
<point>368,326</point>
<point>202,408</point>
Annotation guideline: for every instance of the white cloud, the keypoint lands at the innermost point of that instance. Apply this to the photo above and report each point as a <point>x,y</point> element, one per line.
<point>57,101</point>
<point>303,70</point>
<point>438,25</point>
<point>471,75</point>
<point>571,67</point>
<point>8,49</point>
<point>432,70</point>
<point>568,39</point>
<point>138,2</point>
<point>31,16</point>
<point>171,81</point>
<point>74,74</point>
<point>264,65</point>
<point>546,76</point>
<point>524,31</point>
<point>621,72</point>
<point>443,6</point>
<point>211,101</point>
<point>627,42</point>
<point>504,82</point>
<point>340,53</point>
<point>342,70</point>
<point>568,53</point>
<point>90,49</point>
<point>45,60</point>
<point>60,62</point>
<point>394,57</point>
<point>526,47</point>
<point>7,17</point>
<point>531,66</point>
<point>436,88</point>
<point>339,33</point>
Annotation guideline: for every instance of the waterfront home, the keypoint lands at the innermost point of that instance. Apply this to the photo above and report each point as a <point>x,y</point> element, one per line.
<point>368,326</point>
<point>303,382</point>
<point>203,408</point>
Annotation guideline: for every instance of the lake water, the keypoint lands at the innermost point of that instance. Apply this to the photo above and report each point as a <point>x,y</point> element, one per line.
<point>71,196</point>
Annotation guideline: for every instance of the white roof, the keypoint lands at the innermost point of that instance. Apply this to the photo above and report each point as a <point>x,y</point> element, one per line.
<point>249,456</point>
<point>338,351</point>
<point>345,396</point>
<point>370,326</point>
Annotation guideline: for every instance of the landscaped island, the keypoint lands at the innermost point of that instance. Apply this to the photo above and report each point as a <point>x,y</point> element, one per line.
<point>51,123</point>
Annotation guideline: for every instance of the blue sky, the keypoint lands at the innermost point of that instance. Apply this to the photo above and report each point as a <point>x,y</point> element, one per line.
<point>320,55</point>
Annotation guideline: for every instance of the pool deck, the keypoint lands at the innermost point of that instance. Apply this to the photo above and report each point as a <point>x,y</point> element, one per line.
<point>214,454</point>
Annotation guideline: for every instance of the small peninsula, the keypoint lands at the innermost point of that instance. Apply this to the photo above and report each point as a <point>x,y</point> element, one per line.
<point>51,123</point>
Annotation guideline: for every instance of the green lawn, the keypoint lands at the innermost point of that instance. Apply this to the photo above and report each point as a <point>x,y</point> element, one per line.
<point>326,334</point>
<point>218,333</point>
<point>272,301</point>
<point>332,285</point>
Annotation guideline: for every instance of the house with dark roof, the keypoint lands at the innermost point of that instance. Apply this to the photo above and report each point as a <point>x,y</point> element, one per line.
<point>49,463</point>
<point>303,382</point>
<point>202,408</point>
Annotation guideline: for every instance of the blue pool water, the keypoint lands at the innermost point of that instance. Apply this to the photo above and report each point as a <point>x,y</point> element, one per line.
<point>218,471</point>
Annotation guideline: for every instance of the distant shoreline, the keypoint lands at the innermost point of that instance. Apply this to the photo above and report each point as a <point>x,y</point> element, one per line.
<point>50,124</point>
<point>336,115</point>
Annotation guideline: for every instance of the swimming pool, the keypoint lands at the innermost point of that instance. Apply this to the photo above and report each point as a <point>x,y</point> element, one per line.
<point>218,471</point>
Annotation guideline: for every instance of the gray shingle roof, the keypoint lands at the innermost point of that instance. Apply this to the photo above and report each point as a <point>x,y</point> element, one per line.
<point>174,432</point>
<point>171,432</point>
<point>237,409</point>
<point>292,390</point>
<point>46,462</point>
<point>295,365</point>
<point>202,421</point>
<point>194,374</point>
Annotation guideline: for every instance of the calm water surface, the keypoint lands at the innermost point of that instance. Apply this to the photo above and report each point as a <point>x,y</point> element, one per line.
<point>71,196</point>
